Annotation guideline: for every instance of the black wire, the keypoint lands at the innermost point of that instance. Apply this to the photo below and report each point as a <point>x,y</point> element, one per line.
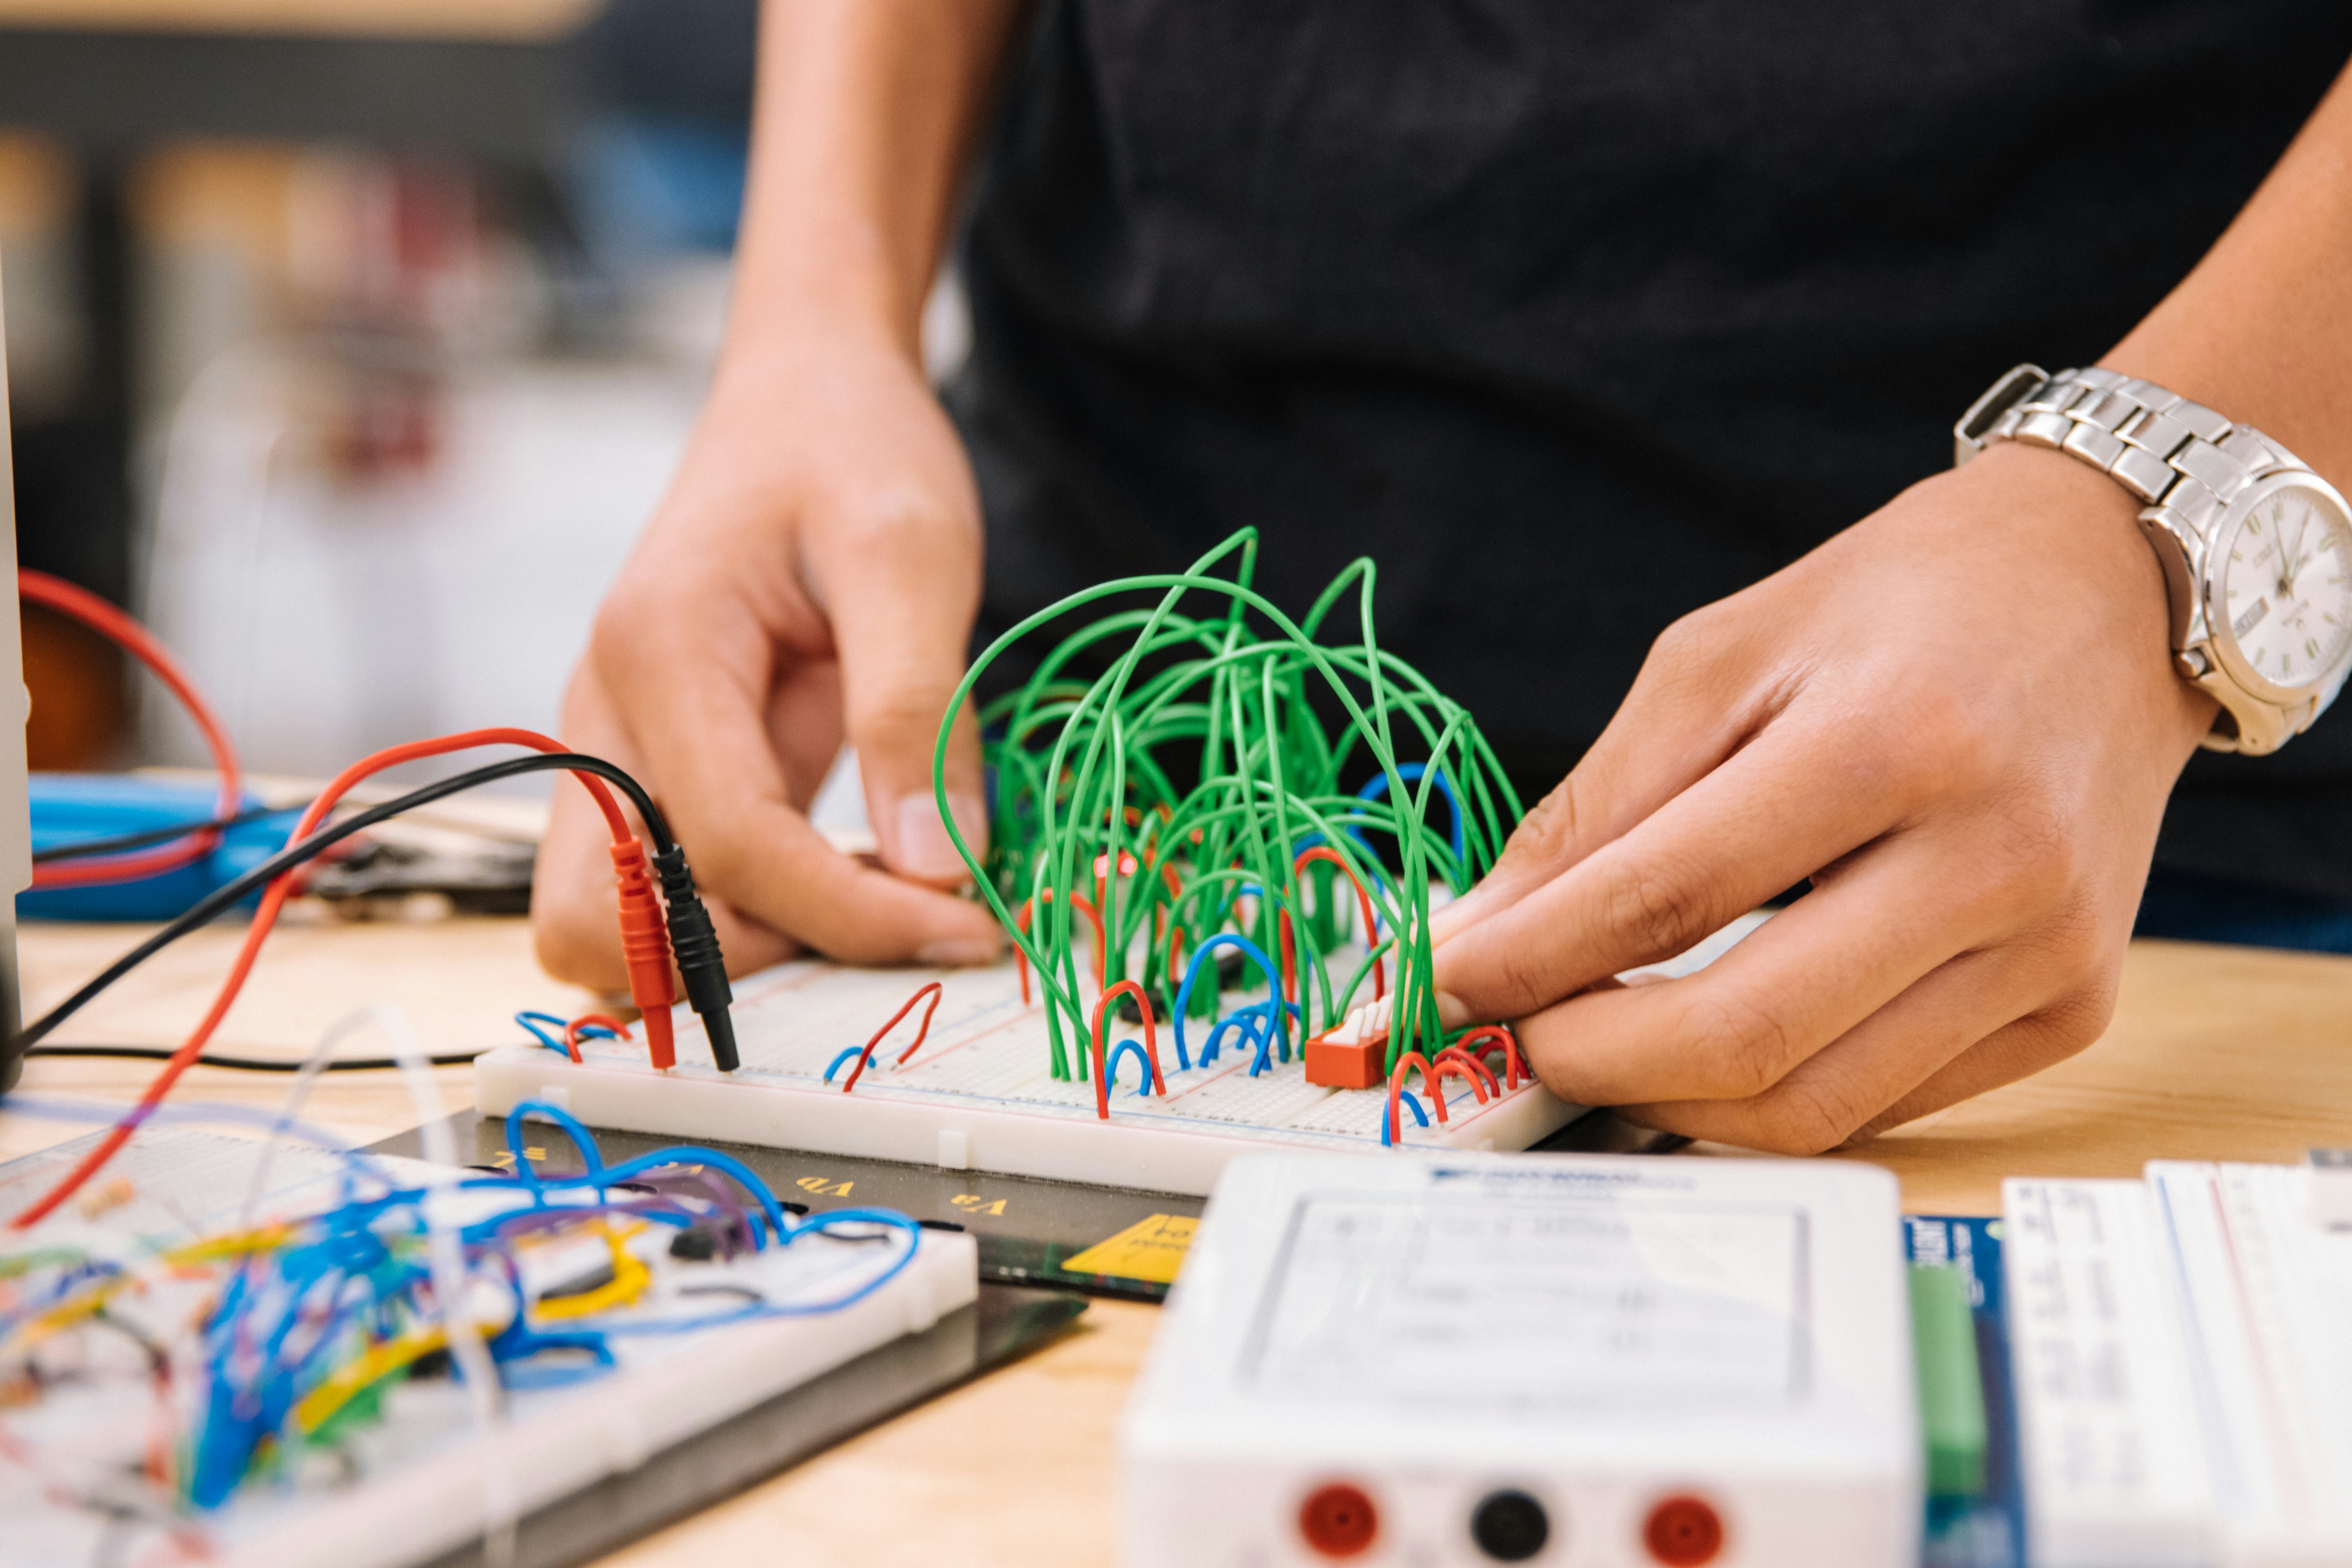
<point>310,848</point>
<point>248,1064</point>
<point>156,835</point>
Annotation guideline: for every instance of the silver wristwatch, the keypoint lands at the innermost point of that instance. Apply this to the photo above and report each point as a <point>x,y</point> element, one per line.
<point>2257,549</point>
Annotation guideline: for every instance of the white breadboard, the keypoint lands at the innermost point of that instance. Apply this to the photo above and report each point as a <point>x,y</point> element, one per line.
<point>2182,1348</point>
<point>426,1479</point>
<point>979,1095</point>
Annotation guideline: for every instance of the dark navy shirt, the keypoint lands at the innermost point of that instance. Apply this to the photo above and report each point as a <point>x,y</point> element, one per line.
<point>1577,315</point>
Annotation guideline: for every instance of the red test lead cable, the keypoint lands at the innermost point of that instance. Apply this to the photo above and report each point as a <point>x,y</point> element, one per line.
<point>657,1007</point>
<point>111,624</point>
<point>645,945</point>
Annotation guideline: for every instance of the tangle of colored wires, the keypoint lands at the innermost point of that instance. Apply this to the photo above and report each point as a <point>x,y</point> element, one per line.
<point>1193,796</point>
<point>301,1325</point>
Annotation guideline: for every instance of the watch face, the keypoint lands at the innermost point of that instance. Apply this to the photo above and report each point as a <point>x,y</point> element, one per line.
<point>2286,588</point>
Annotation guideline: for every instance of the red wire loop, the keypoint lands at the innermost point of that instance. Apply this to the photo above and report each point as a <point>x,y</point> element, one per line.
<point>1405,1064</point>
<point>1484,1075</point>
<point>1364,903</point>
<point>1289,957</point>
<point>1444,1067</point>
<point>586,1021</point>
<point>103,618</point>
<point>1151,1045</point>
<point>1514,1069</point>
<point>922,1031</point>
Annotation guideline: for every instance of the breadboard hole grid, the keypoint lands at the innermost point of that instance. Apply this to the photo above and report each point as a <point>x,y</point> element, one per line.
<point>985,1045</point>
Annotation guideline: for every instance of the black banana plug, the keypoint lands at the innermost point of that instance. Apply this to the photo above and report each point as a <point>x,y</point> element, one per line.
<point>699,963</point>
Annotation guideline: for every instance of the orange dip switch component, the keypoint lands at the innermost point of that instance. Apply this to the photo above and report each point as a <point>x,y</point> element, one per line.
<point>1337,1060</point>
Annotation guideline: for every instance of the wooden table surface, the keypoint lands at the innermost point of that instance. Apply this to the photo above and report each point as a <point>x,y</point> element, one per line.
<point>2216,1053</point>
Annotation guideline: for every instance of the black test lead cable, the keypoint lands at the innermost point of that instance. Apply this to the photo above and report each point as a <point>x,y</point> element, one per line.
<point>693,941</point>
<point>114,843</point>
<point>251,1064</point>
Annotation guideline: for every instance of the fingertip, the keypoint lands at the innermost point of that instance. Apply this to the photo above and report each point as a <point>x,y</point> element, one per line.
<point>958,951</point>
<point>747,945</point>
<point>881,916</point>
<point>918,846</point>
<point>1460,915</point>
<point>977,925</point>
<point>966,934</point>
<point>577,949</point>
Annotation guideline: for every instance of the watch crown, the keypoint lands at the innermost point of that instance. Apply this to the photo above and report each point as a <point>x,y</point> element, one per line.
<point>2191,663</point>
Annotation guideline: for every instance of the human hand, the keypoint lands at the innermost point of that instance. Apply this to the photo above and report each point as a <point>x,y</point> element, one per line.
<point>812,577</point>
<point>1959,718</point>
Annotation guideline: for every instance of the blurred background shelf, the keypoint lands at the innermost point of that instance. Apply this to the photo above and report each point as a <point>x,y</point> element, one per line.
<point>350,342</point>
<point>517,19</point>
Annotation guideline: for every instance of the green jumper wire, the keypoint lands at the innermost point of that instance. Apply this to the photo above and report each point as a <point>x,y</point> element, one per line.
<point>1083,794</point>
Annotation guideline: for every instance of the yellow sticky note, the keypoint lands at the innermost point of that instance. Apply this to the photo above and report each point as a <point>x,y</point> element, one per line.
<point>1150,1249</point>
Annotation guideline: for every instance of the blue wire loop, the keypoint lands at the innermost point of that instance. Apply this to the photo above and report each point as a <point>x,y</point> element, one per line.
<point>1405,1098</point>
<point>582,1141</point>
<point>531,1022</point>
<point>1193,972</point>
<point>601,1175</point>
<point>834,1065</point>
<point>1252,1023</point>
<point>1247,1022</point>
<point>1267,1036</point>
<point>1142,1063</point>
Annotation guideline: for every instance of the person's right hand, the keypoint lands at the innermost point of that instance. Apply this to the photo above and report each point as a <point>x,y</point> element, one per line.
<point>812,577</point>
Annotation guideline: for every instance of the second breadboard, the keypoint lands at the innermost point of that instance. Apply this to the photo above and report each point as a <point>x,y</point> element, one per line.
<point>2184,1376</point>
<point>980,1093</point>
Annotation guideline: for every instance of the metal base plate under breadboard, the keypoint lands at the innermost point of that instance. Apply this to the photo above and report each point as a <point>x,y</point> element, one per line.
<point>979,1094</point>
<point>1030,1231</point>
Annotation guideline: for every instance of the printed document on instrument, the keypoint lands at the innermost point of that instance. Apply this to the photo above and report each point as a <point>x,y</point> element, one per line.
<point>1420,1300</point>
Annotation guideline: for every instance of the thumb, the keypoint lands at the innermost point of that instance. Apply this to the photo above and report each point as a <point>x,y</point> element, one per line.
<point>897,744</point>
<point>902,608</point>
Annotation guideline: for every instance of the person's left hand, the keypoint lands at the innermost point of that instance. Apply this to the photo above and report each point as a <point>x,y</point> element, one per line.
<point>1959,718</point>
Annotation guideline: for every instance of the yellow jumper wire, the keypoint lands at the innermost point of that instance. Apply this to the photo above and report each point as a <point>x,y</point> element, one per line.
<point>347,1382</point>
<point>233,1244</point>
<point>629,1281</point>
<point>77,1308</point>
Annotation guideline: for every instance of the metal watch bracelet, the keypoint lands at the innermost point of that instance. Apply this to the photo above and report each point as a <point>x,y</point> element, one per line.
<point>2187,462</point>
<point>2180,456</point>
